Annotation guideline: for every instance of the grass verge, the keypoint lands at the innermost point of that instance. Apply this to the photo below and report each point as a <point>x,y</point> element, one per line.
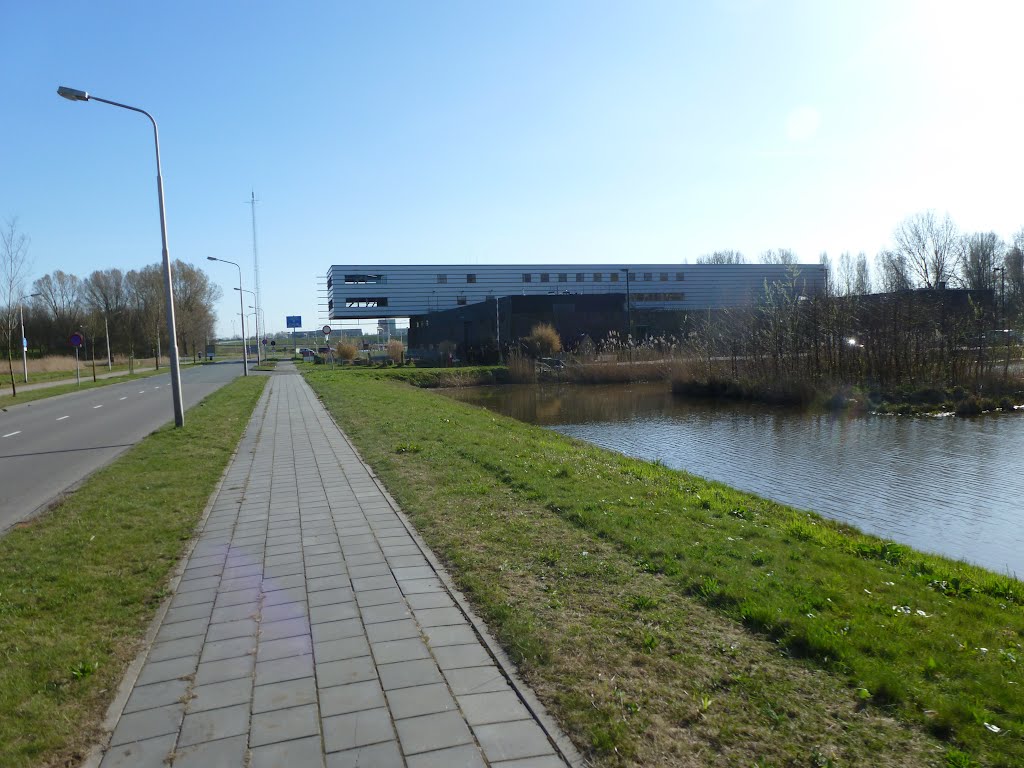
<point>79,585</point>
<point>667,620</point>
<point>29,395</point>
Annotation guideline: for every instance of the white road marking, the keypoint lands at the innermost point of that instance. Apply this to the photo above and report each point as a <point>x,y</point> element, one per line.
<point>125,397</point>
<point>96,406</point>
<point>61,418</point>
<point>157,387</point>
<point>142,391</point>
<point>12,434</point>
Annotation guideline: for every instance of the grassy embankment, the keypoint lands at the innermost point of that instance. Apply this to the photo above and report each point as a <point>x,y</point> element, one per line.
<point>667,620</point>
<point>79,585</point>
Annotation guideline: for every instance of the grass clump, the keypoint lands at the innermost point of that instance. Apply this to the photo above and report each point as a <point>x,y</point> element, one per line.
<point>667,620</point>
<point>79,584</point>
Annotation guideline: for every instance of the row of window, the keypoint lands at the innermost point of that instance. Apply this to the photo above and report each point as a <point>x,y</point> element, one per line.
<point>366,302</point>
<point>382,301</point>
<point>580,277</point>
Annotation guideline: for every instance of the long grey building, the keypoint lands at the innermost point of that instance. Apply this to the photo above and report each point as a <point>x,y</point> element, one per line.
<point>368,291</point>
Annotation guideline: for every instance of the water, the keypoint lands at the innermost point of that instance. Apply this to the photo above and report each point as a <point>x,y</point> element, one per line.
<point>947,485</point>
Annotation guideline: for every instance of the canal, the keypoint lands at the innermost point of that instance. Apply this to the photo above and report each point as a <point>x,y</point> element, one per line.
<point>941,484</point>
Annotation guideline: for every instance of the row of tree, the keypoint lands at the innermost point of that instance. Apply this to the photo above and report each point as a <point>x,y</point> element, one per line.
<point>125,310</point>
<point>928,250</point>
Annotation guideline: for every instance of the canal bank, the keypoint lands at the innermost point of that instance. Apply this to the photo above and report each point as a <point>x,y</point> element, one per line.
<point>648,607</point>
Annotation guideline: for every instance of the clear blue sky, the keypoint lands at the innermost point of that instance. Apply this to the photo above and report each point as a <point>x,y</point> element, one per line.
<point>487,132</point>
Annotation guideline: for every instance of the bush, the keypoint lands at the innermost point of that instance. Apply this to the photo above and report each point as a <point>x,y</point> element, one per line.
<point>543,341</point>
<point>396,350</point>
<point>969,406</point>
<point>346,351</point>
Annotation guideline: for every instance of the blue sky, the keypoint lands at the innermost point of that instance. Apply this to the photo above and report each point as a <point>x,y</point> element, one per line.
<point>486,132</point>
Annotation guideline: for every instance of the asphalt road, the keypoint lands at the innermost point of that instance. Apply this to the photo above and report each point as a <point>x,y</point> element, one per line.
<point>48,446</point>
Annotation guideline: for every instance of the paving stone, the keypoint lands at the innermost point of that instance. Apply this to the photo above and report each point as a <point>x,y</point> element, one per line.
<point>511,741</point>
<point>436,599</point>
<point>423,586</point>
<point>392,630</point>
<point>284,725</point>
<point>331,597</point>
<point>334,612</point>
<point>229,629</point>
<point>400,650</point>
<point>238,597</point>
<point>145,753</point>
<point>437,617</point>
<point>357,729</point>
<point>298,645</point>
<point>368,583</point>
<point>336,630</point>
<point>226,669</point>
<point>284,611</point>
<point>345,648</point>
<point>465,756</point>
<point>333,673</point>
<point>182,629</point>
<point>175,649</point>
<point>353,697</point>
<point>327,582</point>
<point>496,707</point>
<point>202,585</point>
<point>223,753</point>
<point>147,723</point>
<point>301,753</point>
<point>404,674</point>
<point>420,700</point>
<point>407,561</point>
<point>391,612</point>
<point>285,569</point>
<point>415,573</point>
<point>541,761</point>
<point>459,656</point>
<point>159,671</point>
<point>383,755</point>
<point>156,695</point>
<point>214,724</point>
<point>278,596</point>
<point>223,694</point>
<point>275,630</point>
<point>289,668</point>
<point>476,680</point>
<point>235,612</point>
<point>252,581</point>
<point>290,693</point>
<point>198,573</point>
<point>188,612</point>
<point>228,649</point>
<point>362,559</point>
<point>431,732</point>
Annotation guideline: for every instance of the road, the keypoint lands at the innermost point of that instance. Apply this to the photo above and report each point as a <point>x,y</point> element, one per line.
<point>48,446</point>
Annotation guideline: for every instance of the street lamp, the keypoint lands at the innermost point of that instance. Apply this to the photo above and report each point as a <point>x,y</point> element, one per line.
<point>253,294</point>
<point>629,318</point>
<point>24,341</point>
<point>179,413</point>
<point>245,359</point>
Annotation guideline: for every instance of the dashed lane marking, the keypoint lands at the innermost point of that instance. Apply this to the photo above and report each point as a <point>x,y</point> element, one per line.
<point>12,434</point>
<point>61,418</point>
<point>97,406</point>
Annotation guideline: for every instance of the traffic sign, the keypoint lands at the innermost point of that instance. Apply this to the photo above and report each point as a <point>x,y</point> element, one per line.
<point>273,343</point>
<point>293,321</point>
<point>264,342</point>
<point>76,339</point>
<point>327,330</point>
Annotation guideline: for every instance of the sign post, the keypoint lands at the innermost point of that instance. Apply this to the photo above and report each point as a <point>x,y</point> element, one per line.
<point>76,340</point>
<point>327,342</point>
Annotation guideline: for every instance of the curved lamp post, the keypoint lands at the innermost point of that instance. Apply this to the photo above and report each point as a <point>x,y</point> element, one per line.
<point>245,357</point>
<point>179,413</point>
<point>24,340</point>
<point>253,294</point>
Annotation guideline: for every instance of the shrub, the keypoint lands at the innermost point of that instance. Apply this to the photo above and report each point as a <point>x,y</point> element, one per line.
<point>346,351</point>
<point>969,406</point>
<point>543,341</point>
<point>396,350</point>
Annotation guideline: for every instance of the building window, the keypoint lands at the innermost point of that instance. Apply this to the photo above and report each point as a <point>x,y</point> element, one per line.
<point>580,277</point>
<point>544,277</point>
<point>563,277</point>
<point>527,277</point>
<point>330,282</point>
<point>470,278</point>
<point>679,276</point>
<point>659,296</point>
<point>648,276</point>
<point>330,305</point>
<point>366,302</point>
<point>614,277</point>
<point>363,279</point>
<point>597,277</point>
<point>442,278</point>
<point>461,301</point>
<point>632,276</point>
<point>664,277</point>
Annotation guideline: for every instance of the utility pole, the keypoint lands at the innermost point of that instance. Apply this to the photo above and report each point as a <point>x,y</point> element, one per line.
<point>255,260</point>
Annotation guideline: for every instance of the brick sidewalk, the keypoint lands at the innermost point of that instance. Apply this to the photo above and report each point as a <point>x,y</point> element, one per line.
<point>309,628</point>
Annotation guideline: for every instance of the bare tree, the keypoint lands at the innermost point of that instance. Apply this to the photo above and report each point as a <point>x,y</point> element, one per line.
<point>14,266</point>
<point>930,246</point>
<point>61,294</point>
<point>893,271</point>
<point>105,295</point>
<point>779,256</point>
<point>846,275</point>
<point>722,257</point>
<point>982,252</point>
<point>862,275</point>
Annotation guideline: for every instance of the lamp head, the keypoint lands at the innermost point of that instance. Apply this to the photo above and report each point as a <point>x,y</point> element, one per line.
<point>72,94</point>
<point>212,258</point>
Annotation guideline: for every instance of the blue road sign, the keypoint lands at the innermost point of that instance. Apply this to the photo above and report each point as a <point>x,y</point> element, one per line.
<point>76,339</point>
<point>294,321</point>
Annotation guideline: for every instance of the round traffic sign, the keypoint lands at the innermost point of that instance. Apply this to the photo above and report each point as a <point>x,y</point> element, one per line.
<point>264,342</point>
<point>327,330</point>
<point>76,339</point>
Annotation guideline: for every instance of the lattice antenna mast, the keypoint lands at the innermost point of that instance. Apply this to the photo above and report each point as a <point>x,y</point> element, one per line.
<point>255,256</point>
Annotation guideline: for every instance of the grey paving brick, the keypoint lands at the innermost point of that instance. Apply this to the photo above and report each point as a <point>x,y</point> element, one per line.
<point>368,583</point>
<point>298,645</point>
<point>336,630</point>
<point>343,648</point>
<point>374,614</point>
<point>284,611</point>
<point>540,761</point>
<point>201,572</point>
<point>279,596</point>
<point>437,617</point>
<point>175,649</point>
<point>353,697</point>
<point>226,693</point>
<point>327,582</point>
<point>436,599</point>
<point>229,629</point>
<point>512,741</point>
<point>383,755</point>
<point>156,695</point>
<point>414,573</point>
<point>364,548</point>
<point>201,585</point>
<point>223,753</point>
<point>252,581</point>
<point>214,724</point>
<point>392,630</point>
<point>345,671</point>
<point>379,597</point>
<point>189,612</point>
<point>226,669</point>
<point>407,561</point>
<point>404,674</point>
<point>496,707</point>
<point>228,649</point>
<point>431,732</point>
<point>235,612</point>
<point>357,729</point>
<point>285,569</point>
<point>146,753</point>
<point>476,680</point>
<point>301,753</point>
<point>423,586</point>
<point>332,559</point>
<point>459,656</point>
<point>238,597</point>
<point>364,558</point>
<point>331,597</point>
<point>284,725</point>
<point>182,629</point>
<point>420,700</point>
<point>275,583</point>
<point>147,723</point>
<point>335,612</point>
<point>275,630</point>
<point>159,671</point>
<point>246,569</point>
<point>465,756</point>
<point>400,650</point>
<point>371,569</point>
<point>290,693</point>
<point>289,668</point>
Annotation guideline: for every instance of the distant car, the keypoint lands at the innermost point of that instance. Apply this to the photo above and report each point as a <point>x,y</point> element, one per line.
<point>552,363</point>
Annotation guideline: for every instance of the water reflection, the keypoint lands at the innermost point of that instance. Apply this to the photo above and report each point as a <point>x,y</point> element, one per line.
<point>954,486</point>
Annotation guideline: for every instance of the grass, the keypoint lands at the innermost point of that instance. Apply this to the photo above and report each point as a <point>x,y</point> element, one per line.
<point>667,620</point>
<point>79,585</point>
<point>28,395</point>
